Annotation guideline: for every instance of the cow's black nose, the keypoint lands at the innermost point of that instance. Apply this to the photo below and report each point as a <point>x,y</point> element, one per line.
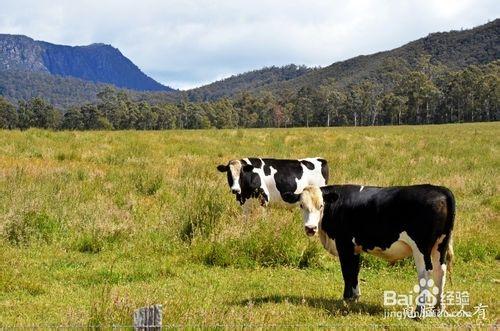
<point>311,230</point>
<point>235,191</point>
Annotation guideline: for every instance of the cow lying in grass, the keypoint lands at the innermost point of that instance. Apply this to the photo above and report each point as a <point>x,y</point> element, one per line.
<point>388,222</point>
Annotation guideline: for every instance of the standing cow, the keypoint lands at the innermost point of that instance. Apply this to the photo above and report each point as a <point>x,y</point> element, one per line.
<point>388,222</point>
<point>269,179</point>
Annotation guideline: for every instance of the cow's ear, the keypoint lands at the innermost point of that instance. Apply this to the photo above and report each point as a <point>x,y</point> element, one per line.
<point>247,167</point>
<point>222,167</point>
<point>329,195</point>
<point>291,197</point>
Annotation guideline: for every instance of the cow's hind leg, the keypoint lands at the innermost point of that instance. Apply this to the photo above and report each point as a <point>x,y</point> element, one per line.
<point>439,268</point>
<point>424,269</point>
<point>439,275</point>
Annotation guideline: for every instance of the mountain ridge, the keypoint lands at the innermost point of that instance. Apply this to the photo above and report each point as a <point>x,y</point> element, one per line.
<point>97,62</point>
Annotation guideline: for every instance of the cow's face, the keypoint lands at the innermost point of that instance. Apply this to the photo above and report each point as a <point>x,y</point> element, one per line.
<point>240,177</point>
<point>312,203</point>
<point>233,171</point>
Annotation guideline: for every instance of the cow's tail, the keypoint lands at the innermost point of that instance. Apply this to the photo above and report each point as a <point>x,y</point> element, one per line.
<point>449,259</point>
<point>450,221</point>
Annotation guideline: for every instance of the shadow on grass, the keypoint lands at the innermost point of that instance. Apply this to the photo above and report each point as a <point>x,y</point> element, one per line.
<point>335,307</point>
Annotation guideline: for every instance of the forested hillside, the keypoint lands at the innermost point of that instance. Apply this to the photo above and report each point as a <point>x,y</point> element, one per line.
<point>423,96</point>
<point>453,50</point>
<point>249,81</point>
<point>64,92</point>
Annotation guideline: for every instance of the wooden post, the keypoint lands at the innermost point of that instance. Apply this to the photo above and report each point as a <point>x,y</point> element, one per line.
<point>148,318</point>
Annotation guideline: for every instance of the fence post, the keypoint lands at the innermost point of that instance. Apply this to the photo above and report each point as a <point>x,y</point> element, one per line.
<point>148,318</point>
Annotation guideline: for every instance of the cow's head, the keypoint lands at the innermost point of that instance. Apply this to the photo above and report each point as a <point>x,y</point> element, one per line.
<point>312,202</point>
<point>240,177</point>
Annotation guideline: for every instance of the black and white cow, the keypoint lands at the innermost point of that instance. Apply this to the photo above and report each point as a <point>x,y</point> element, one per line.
<point>269,179</point>
<point>388,222</point>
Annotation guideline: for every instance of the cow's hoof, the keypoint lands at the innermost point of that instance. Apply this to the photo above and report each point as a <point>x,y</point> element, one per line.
<point>438,309</point>
<point>419,310</point>
<point>352,299</point>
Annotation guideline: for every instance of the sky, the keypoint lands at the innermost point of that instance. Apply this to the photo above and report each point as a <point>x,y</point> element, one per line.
<point>185,43</point>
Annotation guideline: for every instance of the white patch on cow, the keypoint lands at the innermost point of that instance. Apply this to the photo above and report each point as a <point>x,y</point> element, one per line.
<point>312,219</point>
<point>270,185</point>
<point>328,243</point>
<point>361,189</point>
<point>440,280</point>
<point>310,177</point>
<point>438,271</point>
<point>406,246</point>
<point>420,264</point>
<point>397,251</point>
<point>356,291</point>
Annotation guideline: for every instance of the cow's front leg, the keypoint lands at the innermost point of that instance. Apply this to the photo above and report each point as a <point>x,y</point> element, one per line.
<point>349,263</point>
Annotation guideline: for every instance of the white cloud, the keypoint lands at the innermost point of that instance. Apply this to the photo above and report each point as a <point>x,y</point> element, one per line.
<point>187,43</point>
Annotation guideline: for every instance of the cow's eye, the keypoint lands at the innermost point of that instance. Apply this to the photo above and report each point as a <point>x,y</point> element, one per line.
<point>301,206</point>
<point>321,207</point>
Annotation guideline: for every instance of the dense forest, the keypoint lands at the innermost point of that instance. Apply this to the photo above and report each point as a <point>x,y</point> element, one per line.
<point>430,94</point>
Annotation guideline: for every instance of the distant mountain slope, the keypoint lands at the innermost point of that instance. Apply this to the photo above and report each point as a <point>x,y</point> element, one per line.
<point>96,63</point>
<point>455,50</point>
<point>64,92</point>
<point>247,81</point>
<point>59,91</point>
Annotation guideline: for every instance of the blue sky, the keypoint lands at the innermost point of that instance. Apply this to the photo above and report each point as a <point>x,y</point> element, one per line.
<point>190,43</point>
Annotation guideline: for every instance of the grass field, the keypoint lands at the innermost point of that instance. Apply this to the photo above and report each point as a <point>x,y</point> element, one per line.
<point>96,224</point>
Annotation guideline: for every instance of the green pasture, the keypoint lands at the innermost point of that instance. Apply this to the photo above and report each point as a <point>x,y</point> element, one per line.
<point>96,224</point>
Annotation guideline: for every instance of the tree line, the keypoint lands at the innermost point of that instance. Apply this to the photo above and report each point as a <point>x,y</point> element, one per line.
<point>430,94</point>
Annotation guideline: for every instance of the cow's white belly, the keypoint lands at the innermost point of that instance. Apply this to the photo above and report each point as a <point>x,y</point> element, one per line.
<point>397,251</point>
